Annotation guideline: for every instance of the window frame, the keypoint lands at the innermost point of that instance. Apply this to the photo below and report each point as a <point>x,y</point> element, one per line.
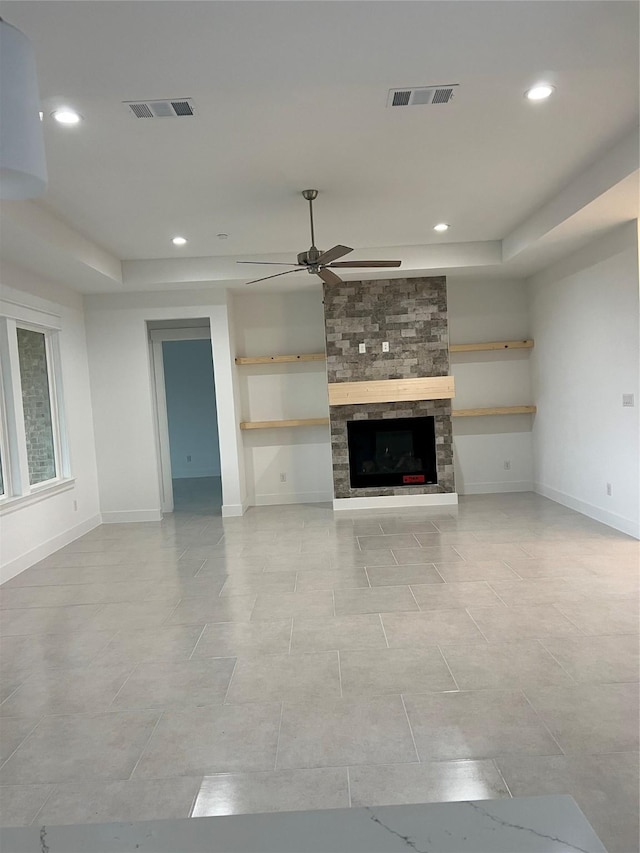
<point>18,489</point>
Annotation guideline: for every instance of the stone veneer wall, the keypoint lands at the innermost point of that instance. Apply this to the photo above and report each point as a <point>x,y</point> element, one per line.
<point>412,315</point>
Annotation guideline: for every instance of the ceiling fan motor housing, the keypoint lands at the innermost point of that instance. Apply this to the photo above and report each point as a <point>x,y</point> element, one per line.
<point>310,257</point>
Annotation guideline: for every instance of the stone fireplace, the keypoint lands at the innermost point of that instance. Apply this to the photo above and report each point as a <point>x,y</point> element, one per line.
<point>411,461</point>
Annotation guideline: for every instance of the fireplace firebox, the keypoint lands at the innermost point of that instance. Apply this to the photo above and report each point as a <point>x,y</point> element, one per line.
<point>392,452</point>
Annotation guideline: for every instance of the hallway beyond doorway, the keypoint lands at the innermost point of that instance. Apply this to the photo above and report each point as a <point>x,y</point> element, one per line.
<point>197,495</point>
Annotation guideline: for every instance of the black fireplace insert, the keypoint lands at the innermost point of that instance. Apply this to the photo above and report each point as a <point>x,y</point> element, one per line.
<point>392,452</point>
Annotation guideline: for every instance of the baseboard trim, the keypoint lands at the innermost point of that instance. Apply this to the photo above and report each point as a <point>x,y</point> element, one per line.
<point>496,488</point>
<point>131,516</point>
<point>395,501</point>
<point>233,510</point>
<point>45,549</point>
<point>293,498</point>
<point>611,519</point>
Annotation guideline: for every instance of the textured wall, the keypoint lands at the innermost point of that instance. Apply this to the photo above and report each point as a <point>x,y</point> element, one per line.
<point>412,315</point>
<point>36,405</point>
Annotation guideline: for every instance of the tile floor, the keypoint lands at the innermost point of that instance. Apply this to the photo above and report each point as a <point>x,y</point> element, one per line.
<point>297,659</point>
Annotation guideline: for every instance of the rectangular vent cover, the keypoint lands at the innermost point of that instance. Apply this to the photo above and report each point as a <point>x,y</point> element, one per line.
<point>421,96</point>
<point>161,109</point>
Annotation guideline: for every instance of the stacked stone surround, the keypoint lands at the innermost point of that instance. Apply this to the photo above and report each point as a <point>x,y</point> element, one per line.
<point>412,315</point>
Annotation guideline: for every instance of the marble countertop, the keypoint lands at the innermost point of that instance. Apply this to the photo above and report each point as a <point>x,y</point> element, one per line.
<point>519,825</point>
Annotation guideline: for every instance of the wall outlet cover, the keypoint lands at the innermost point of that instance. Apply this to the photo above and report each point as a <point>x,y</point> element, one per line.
<point>628,400</point>
<point>362,348</point>
<point>385,346</point>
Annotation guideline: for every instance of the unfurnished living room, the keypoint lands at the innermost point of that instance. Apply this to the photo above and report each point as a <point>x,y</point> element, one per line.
<point>319,435</point>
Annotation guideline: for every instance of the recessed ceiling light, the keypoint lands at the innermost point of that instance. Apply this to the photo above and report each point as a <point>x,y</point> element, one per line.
<point>66,116</point>
<point>540,92</point>
<point>41,114</point>
<point>179,241</point>
<point>441,226</point>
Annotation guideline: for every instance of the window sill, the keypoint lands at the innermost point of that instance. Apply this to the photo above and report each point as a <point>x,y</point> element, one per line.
<point>11,504</point>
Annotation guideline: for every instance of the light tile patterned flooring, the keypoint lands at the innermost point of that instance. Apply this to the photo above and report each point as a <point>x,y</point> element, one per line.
<point>295,658</point>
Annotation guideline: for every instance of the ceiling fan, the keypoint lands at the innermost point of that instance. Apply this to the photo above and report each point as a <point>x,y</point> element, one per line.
<point>320,263</point>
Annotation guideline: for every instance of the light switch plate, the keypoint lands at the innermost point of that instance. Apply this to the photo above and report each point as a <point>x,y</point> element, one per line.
<point>362,348</point>
<point>628,400</point>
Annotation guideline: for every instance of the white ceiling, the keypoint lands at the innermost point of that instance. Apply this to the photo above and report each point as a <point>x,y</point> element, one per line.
<point>293,95</point>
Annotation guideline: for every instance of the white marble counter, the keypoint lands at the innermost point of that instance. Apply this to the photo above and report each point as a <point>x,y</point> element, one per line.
<point>521,825</point>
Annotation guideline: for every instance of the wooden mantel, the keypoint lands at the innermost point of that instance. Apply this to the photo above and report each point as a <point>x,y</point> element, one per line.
<point>391,390</point>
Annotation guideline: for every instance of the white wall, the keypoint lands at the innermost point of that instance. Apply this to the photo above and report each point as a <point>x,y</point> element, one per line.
<point>584,314</point>
<point>121,387</point>
<point>30,533</point>
<point>483,310</point>
<point>191,409</point>
<point>276,324</point>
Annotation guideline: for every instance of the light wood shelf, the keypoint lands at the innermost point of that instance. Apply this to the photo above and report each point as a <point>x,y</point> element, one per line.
<point>299,422</point>
<point>281,359</point>
<point>491,345</point>
<point>391,390</point>
<point>497,410</point>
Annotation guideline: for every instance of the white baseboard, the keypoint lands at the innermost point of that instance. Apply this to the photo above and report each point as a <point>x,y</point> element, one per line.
<point>611,519</point>
<point>396,501</point>
<point>131,516</point>
<point>45,549</point>
<point>293,498</point>
<point>233,510</point>
<point>496,488</point>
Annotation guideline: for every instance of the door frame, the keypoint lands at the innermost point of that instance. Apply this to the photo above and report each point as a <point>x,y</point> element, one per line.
<point>156,338</point>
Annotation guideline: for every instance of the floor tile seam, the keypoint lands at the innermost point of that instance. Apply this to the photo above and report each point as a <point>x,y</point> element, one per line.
<point>275,762</point>
<point>339,674</point>
<point>494,761</point>
<point>572,681</point>
<point>348,787</point>
<point>496,593</point>
<point>145,747</point>
<point>580,631</point>
<point>542,721</point>
<point>136,666</point>
<point>54,788</point>
<point>196,794</point>
<point>415,599</point>
<point>484,636</point>
<point>413,740</point>
<point>193,651</point>
<point>24,740</point>
<point>291,633</point>
<point>368,578</point>
<point>226,692</point>
<point>386,639</point>
<point>442,654</point>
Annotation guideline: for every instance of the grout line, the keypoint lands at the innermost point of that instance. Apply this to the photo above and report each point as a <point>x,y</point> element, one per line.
<point>204,628</point>
<point>333,599</point>
<point>383,630</point>
<point>339,673</point>
<point>414,598</point>
<point>573,682</point>
<point>406,713</point>
<point>295,583</point>
<point>466,610</point>
<point>144,748</point>
<point>54,787</point>
<point>349,786</point>
<point>135,667</point>
<point>233,672</point>
<point>545,726</point>
<point>439,573</point>
<point>582,633</point>
<point>368,578</point>
<point>275,763</point>
<point>291,635</point>
<point>448,667</point>
<point>24,740</point>
<point>501,775</point>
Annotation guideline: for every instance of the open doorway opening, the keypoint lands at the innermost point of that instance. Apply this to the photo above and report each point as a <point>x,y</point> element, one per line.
<point>187,416</point>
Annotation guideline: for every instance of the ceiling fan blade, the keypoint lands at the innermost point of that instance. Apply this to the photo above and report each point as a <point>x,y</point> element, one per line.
<point>366,264</point>
<point>329,277</point>
<point>286,272</point>
<point>268,263</point>
<point>333,254</point>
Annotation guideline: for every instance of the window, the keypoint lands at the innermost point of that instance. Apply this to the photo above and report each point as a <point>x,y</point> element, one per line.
<point>33,455</point>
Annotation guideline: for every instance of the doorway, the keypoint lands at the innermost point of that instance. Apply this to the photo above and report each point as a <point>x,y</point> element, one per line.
<point>187,418</point>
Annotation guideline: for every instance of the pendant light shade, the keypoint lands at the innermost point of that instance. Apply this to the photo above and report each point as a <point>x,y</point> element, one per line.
<point>23,171</point>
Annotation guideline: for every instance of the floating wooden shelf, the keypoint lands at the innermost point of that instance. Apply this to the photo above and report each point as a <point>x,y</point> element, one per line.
<point>491,345</point>
<point>391,390</point>
<point>497,410</point>
<point>281,359</point>
<point>299,422</point>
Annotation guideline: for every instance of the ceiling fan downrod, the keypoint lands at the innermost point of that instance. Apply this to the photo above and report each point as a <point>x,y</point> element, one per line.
<point>313,254</point>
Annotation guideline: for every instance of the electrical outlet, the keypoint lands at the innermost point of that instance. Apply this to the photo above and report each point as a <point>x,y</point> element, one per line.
<point>283,477</point>
<point>507,464</point>
<point>362,348</point>
<point>385,346</point>
<point>188,459</point>
<point>628,401</point>
<point>609,489</point>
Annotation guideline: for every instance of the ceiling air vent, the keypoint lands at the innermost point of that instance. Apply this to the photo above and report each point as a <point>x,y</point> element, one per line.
<point>421,96</point>
<point>162,109</point>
